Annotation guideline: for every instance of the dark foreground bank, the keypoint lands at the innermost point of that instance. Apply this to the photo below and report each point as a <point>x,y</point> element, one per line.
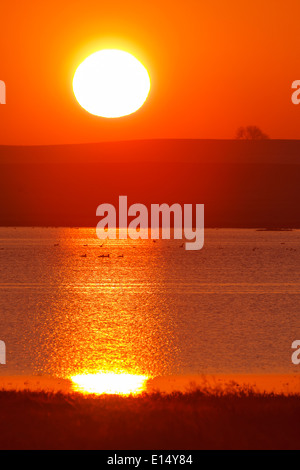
<point>196,420</point>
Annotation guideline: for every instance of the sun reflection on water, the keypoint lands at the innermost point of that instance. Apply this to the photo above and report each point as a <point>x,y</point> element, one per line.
<point>109,383</point>
<point>110,327</point>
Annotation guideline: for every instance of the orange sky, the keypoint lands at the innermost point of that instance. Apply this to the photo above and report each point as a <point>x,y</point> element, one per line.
<point>214,66</point>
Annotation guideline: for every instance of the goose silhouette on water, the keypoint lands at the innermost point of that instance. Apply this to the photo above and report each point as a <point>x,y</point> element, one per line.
<point>83,256</point>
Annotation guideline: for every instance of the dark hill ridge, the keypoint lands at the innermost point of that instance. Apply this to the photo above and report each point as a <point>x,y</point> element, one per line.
<point>241,183</point>
<point>172,150</point>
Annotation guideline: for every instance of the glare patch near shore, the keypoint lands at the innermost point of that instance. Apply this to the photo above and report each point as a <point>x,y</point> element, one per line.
<point>110,383</point>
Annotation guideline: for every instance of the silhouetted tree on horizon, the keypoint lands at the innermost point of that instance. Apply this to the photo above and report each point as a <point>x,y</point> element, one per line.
<point>250,133</point>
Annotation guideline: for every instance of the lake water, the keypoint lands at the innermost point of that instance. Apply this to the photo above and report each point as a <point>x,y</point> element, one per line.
<point>232,307</point>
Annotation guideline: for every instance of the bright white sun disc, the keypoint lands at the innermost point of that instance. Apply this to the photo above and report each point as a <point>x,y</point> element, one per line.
<point>111,83</point>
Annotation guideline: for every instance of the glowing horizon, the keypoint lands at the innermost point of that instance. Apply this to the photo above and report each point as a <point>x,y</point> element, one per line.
<point>109,383</point>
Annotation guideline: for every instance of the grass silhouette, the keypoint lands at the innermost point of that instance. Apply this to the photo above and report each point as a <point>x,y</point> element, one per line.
<point>199,419</point>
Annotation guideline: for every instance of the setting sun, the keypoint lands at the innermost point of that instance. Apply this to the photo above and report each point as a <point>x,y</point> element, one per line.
<point>111,83</point>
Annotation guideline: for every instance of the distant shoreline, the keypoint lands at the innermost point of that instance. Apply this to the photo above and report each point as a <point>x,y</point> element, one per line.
<point>257,229</point>
<point>260,383</point>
